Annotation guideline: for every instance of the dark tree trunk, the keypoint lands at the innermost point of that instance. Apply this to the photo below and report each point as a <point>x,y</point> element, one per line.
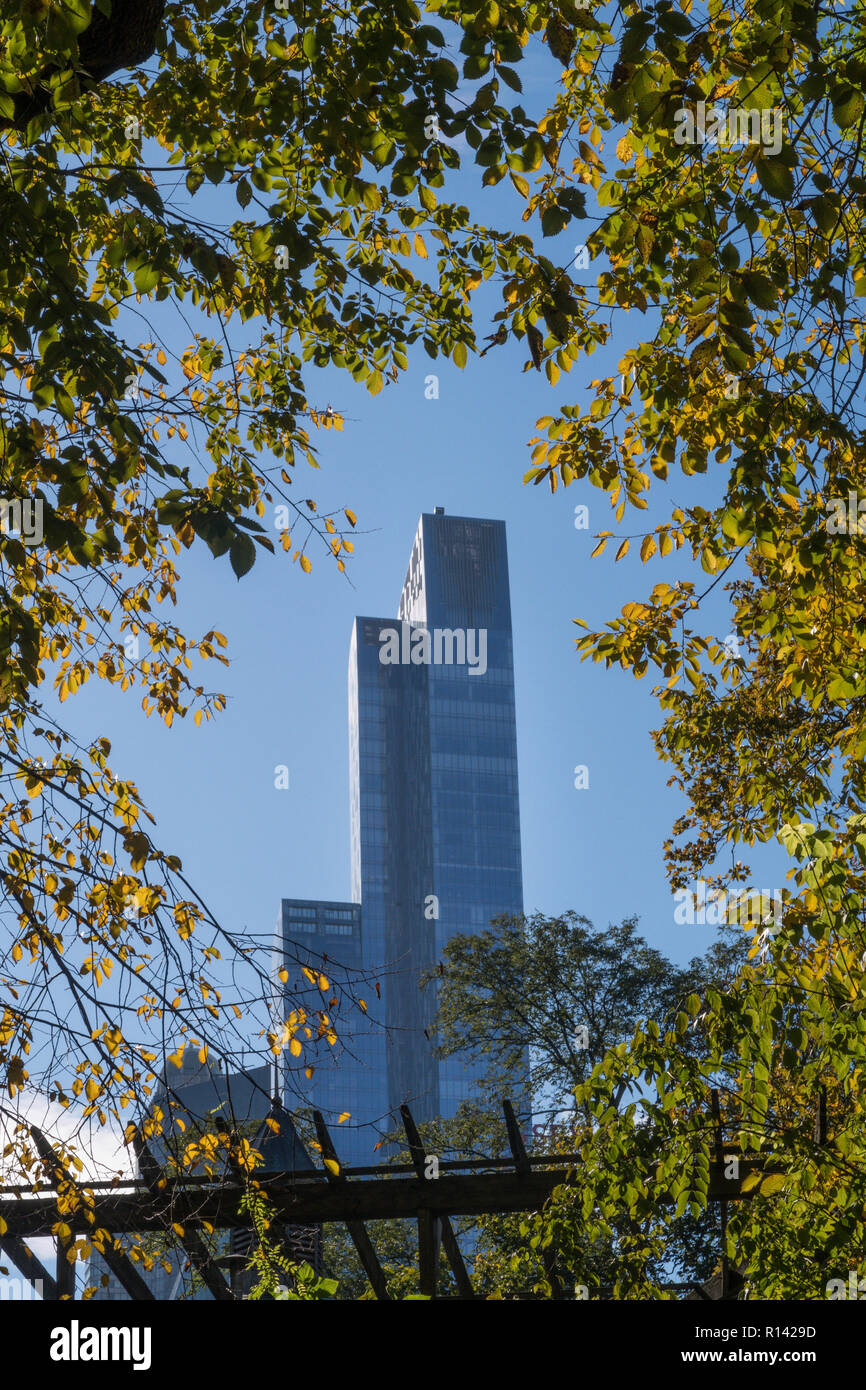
<point>107,45</point>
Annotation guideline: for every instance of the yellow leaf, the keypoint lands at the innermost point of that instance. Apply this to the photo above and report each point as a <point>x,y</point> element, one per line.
<point>624,150</point>
<point>161,358</point>
<point>283,975</point>
<point>623,550</point>
<point>346,1115</point>
<point>323,983</point>
<point>178,1229</point>
<point>420,248</point>
<point>350,517</point>
<point>92,1089</point>
<point>295,1048</point>
<point>648,548</point>
<point>305,564</point>
<point>308,1073</point>
<point>310,974</point>
<point>332,1166</point>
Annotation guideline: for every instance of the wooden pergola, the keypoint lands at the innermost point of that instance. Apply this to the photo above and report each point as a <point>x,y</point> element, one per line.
<point>353,1196</point>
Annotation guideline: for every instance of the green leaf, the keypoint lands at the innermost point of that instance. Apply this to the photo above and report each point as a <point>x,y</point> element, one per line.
<point>760,290</point>
<point>777,1182</point>
<point>530,157</point>
<point>145,278</point>
<point>242,555</point>
<point>775,178</point>
<point>260,244</point>
<point>553,220</point>
<point>510,78</point>
<point>847,106</point>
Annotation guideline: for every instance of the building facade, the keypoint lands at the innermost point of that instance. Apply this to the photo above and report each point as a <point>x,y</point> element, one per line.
<point>435,823</point>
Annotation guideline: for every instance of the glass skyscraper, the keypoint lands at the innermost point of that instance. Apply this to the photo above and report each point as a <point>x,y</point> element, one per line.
<point>435,827</point>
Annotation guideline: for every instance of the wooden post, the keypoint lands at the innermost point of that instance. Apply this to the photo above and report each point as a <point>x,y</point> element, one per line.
<point>357,1230</point>
<point>429,1243</point>
<point>446,1231</point>
<point>126,1273</point>
<point>820,1134</point>
<point>523,1167</point>
<point>515,1139</point>
<point>723,1206</point>
<point>64,1276</point>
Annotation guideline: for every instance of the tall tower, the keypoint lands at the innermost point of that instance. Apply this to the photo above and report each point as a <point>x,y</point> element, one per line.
<point>433,765</point>
<point>435,823</point>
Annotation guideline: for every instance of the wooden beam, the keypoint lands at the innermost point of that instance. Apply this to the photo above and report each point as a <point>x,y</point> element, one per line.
<point>32,1268</point>
<point>356,1228</point>
<point>126,1273</point>
<point>515,1139</point>
<point>375,1199</point>
<point>64,1269</point>
<point>453,1252</point>
<point>191,1241</point>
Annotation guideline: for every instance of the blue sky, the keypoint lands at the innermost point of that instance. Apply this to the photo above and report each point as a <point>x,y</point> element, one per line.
<point>245,844</point>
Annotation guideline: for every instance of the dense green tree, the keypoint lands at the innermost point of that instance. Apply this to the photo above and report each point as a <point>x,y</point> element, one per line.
<point>554,994</point>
